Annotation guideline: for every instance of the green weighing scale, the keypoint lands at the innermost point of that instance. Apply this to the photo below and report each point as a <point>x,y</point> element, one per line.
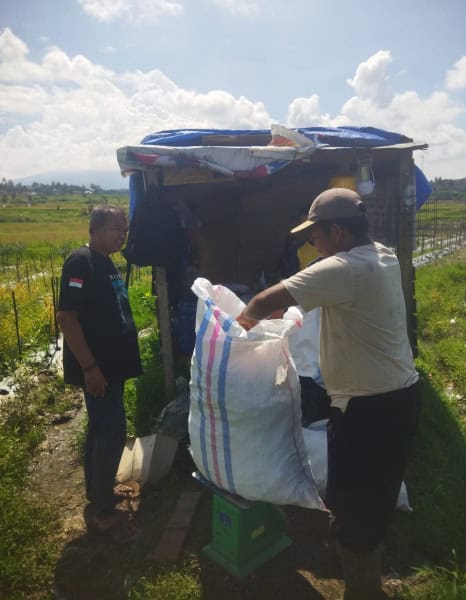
<point>245,535</point>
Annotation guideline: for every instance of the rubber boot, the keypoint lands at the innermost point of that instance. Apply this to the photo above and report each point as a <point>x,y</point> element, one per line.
<point>362,575</point>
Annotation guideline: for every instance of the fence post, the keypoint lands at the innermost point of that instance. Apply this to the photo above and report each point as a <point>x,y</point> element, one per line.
<point>165,333</point>
<point>405,242</point>
<point>54,281</point>
<point>15,309</point>
<point>51,262</point>
<point>42,272</point>
<point>27,280</point>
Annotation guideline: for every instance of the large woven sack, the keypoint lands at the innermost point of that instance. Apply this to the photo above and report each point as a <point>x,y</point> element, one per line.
<point>315,440</point>
<point>245,407</point>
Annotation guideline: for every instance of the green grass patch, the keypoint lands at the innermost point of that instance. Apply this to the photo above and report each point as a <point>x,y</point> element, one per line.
<point>28,550</point>
<point>145,395</point>
<point>436,481</point>
<point>180,584</point>
<point>436,474</point>
<point>441,308</point>
<point>439,583</point>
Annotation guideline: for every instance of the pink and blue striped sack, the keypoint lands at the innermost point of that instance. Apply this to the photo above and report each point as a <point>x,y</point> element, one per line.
<point>245,407</point>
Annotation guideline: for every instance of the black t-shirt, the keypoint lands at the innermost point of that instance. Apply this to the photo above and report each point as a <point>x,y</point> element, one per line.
<point>92,286</point>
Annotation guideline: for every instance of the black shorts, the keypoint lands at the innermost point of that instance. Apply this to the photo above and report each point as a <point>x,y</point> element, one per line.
<point>315,403</point>
<point>367,449</point>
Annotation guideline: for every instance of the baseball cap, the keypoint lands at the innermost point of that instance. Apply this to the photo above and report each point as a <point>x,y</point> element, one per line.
<point>334,203</point>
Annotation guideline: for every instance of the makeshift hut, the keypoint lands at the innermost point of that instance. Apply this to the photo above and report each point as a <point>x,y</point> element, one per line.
<point>220,204</point>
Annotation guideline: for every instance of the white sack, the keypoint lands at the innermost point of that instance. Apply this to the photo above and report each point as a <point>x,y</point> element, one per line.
<point>245,410</point>
<point>315,439</point>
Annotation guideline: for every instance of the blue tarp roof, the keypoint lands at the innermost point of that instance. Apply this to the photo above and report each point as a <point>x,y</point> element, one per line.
<point>337,136</point>
<point>196,147</point>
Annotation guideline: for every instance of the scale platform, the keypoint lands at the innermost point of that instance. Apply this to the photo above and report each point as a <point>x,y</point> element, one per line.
<point>245,535</point>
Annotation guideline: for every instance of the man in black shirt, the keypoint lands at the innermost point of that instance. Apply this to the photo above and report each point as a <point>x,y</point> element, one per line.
<point>100,352</point>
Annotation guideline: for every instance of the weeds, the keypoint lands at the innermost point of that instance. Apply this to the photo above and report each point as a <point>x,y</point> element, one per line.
<point>439,583</point>
<point>180,584</point>
<point>27,552</point>
<point>441,304</point>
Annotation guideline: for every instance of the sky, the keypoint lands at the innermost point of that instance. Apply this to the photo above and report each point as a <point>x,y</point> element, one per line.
<point>81,78</point>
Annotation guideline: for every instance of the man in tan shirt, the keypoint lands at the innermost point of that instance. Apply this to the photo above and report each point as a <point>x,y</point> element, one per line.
<point>368,371</point>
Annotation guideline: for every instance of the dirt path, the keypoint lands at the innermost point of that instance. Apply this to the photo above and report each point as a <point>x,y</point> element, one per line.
<point>91,568</point>
<point>56,476</point>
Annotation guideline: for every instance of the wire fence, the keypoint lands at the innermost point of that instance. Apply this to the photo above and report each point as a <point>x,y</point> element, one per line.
<point>28,308</point>
<point>29,288</point>
<point>440,229</point>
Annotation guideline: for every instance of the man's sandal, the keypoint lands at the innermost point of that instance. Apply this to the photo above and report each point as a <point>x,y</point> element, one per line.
<point>127,490</point>
<point>116,527</point>
<point>124,532</point>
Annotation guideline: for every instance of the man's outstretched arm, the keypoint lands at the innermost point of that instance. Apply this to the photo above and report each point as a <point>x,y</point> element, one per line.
<point>264,304</point>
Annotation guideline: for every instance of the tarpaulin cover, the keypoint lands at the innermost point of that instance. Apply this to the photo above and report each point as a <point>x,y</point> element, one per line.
<point>336,136</point>
<point>185,148</point>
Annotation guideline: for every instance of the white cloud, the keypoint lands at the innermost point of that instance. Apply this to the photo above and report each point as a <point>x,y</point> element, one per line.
<point>12,49</point>
<point>134,11</point>
<point>430,119</point>
<point>242,8</point>
<point>78,113</point>
<point>68,111</point>
<point>109,49</point>
<point>456,77</point>
<point>304,112</point>
<point>21,99</point>
<point>371,80</point>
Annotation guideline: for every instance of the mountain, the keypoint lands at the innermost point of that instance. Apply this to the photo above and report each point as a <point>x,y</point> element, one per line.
<point>107,180</point>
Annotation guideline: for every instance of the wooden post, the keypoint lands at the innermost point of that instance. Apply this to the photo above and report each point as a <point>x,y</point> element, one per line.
<point>27,281</point>
<point>18,337</point>
<point>55,288</point>
<point>165,333</point>
<point>406,240</point>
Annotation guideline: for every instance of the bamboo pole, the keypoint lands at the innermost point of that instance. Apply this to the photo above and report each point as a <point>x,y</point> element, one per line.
<point>54,282</point>
<point>18,337</point>
<point>165,333</point>
<point>27,280</point>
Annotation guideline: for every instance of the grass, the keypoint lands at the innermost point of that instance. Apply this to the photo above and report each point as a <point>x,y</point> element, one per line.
<point>439,583</point>
<point>436,472</point>
<point>58,220</point>
<point>33,329</point>
<point>26,562</point>
<point>180,584</point>
<point>436,480</point>
<point>444,211</point>
<point>441,306</point>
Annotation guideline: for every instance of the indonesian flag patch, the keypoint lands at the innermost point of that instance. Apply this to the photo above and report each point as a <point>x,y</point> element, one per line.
<point>75,282</point>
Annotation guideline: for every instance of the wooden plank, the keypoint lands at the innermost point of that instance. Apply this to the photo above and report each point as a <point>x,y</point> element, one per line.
<point>247,139</point>
<point>176,530</point>
<point>406,239</point>
<point>184,511</point>
<point>169,546</point>
<point>165,333</point>
<point>178,176</point>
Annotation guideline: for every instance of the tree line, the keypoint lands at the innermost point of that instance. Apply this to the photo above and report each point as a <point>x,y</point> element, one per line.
<point>448,189</point>
<point>8,186</point>
<point>442,188</point>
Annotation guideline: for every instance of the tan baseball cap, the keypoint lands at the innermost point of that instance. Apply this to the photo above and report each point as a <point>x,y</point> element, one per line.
<point>334,203</point>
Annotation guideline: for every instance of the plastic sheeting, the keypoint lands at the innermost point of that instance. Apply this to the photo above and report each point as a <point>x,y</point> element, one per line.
<point>368,137</point>
<point>187,148</point>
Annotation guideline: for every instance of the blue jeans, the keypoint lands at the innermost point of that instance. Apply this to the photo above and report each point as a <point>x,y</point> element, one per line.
<point>106,437</point>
